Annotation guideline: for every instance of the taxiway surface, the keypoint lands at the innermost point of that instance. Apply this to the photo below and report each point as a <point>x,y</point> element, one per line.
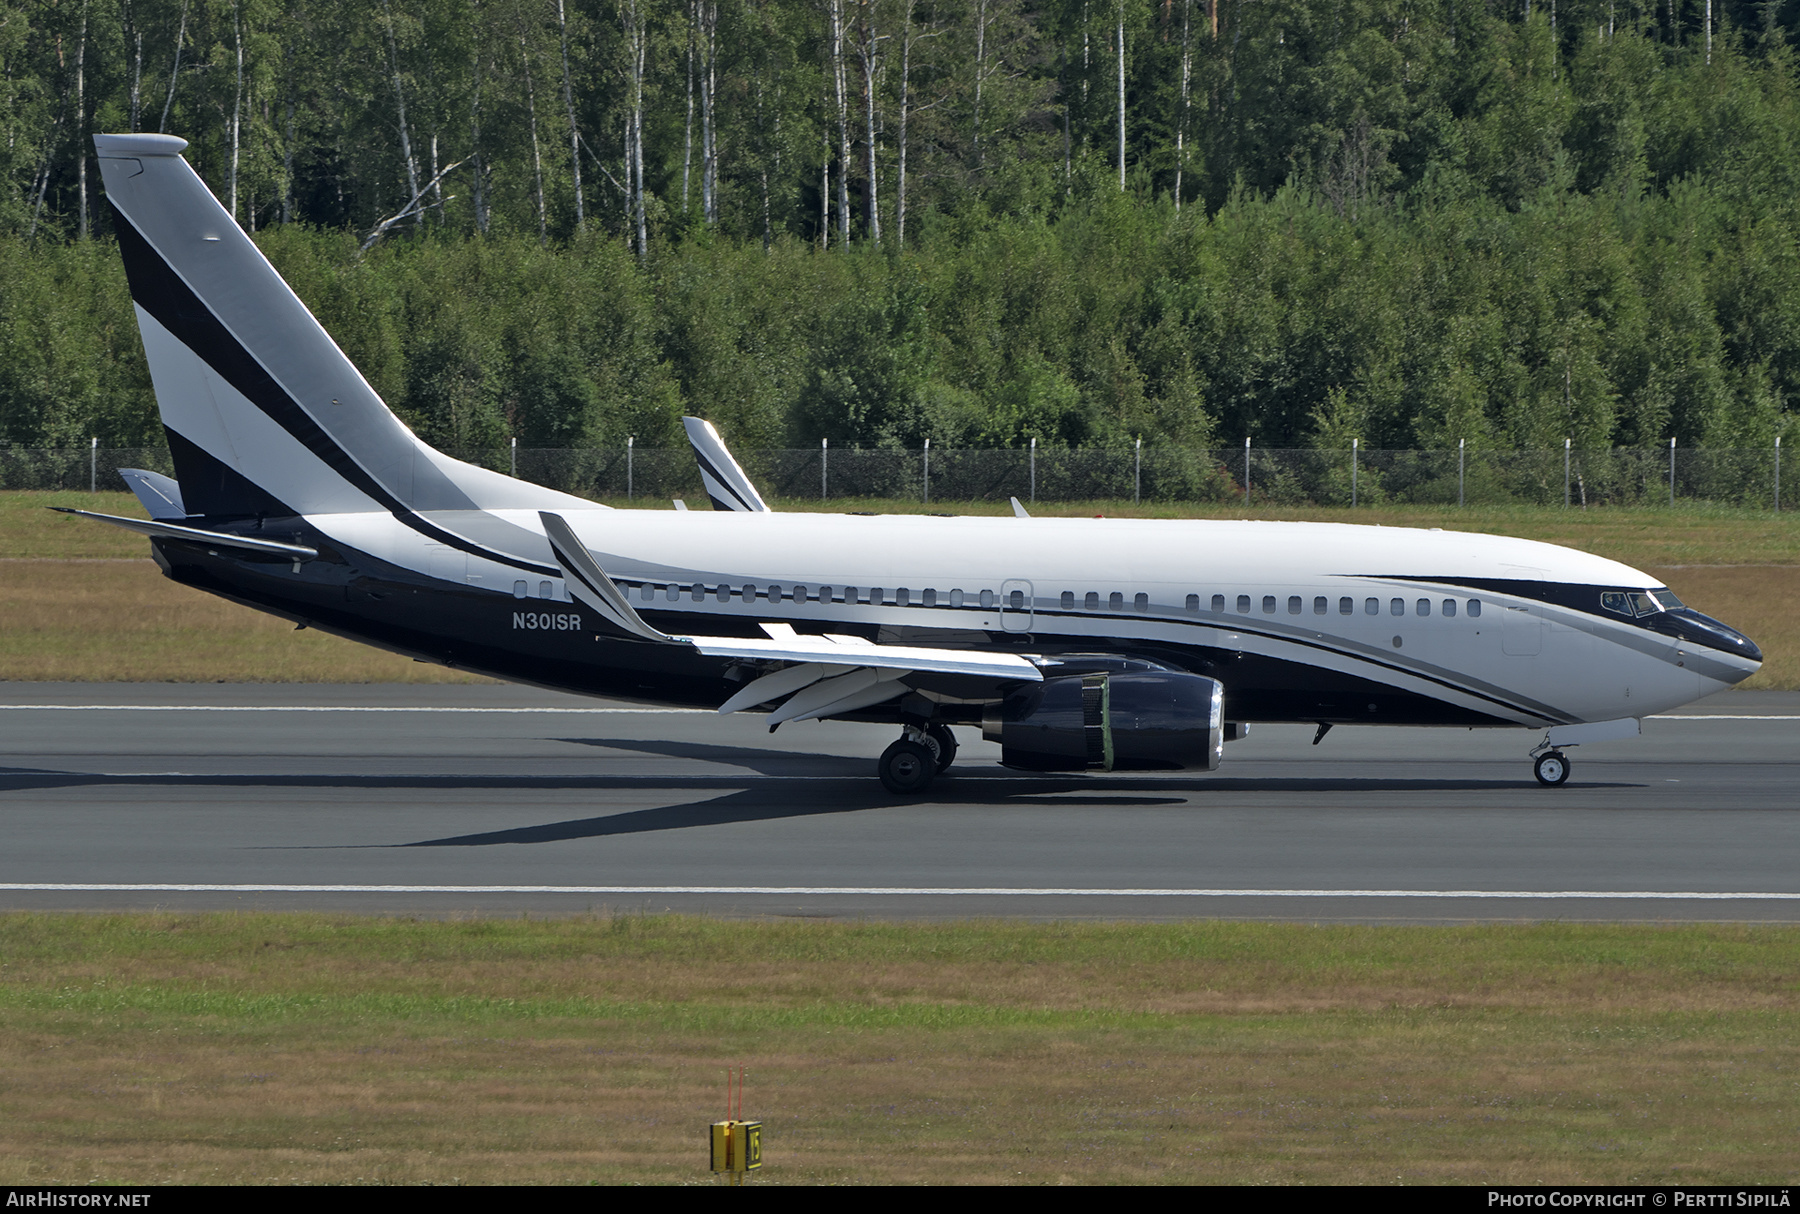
<point>422,799</point>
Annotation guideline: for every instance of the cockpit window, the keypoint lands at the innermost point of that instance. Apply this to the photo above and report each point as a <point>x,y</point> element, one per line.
<point>1636,602</point>
<point>1668,600</point>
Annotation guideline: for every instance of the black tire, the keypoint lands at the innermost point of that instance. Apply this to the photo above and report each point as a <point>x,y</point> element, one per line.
<point>1552,769</point>
<point>907,768</point>
<point>946,745</point>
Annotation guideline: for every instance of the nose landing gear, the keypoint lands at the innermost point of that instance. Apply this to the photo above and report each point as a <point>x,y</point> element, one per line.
<point>1551,768</point>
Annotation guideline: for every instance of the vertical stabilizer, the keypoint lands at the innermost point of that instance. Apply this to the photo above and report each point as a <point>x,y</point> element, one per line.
<point>262,407</point>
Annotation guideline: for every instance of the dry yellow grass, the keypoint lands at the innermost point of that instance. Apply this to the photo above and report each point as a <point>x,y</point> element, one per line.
<point>182,1049</point>
<point>122,621</point>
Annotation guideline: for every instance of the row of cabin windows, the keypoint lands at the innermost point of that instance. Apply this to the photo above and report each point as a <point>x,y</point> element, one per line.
<point>902,597</point>
<point>1321,605</point>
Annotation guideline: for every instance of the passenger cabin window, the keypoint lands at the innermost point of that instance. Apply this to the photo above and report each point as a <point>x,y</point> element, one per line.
<point>956,598</point>
<point>877,596</point>
<point>672,592</point>
<point>850,595</point>
<point>1450,609</point>
<point>519,589</point>
<point>1092,600</point>
<point>1243,604</point>
<point>1320,605</point>
<point>1346,606</point>
<point>928,598</point>
<point>1397,607</point>
<point>544,591</point>
<point>1268,604</point>
<point>1218,602</point>
<point>1018,600</point>
<point>1068,600</point>
<point>1474,607</point>
<point>1141,602</point>
<point>902,597</point>
<point>696,592</point>
<point>1424,607</point>
<point>1371,606</point>
<point>1293,604</point>
<point>1115,601</point>
<point>987,599</point>
<point>724,593</point>
<point>1193,602</point>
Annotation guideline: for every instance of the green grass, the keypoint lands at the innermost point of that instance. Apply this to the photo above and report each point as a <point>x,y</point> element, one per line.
<point>241,1048</point>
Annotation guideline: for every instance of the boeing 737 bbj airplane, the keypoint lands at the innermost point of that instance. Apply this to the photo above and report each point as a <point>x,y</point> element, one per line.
<point>1077,644</point>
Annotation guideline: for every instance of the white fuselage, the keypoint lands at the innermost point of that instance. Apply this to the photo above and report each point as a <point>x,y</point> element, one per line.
<point>1393,605</point>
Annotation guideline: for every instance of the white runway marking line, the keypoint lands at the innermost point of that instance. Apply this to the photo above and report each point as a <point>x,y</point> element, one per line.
<point>902,891</point>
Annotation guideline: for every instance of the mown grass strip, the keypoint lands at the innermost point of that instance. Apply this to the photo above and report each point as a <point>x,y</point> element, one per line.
<point>306,1047</point>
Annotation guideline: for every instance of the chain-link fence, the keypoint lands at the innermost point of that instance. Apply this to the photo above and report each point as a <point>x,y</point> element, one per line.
<point>1618,476</point>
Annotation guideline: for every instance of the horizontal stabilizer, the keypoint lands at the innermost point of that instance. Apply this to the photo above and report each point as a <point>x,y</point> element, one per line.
<point>160,495</point>
<point>197,535</point>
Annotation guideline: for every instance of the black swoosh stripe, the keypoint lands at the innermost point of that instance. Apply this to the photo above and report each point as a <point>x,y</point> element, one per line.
<point>1542,711</point>
<point>709,470</point>
<point>160,291</point>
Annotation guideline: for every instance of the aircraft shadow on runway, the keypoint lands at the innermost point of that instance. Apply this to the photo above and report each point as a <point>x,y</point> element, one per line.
<point>787,786</point>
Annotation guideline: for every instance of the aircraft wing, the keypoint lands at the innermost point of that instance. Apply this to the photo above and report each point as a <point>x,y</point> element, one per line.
<point>727,484</point>
<point>828,675</point>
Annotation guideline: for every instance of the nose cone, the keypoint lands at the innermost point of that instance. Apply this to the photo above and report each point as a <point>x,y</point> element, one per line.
<point>1693,628</point>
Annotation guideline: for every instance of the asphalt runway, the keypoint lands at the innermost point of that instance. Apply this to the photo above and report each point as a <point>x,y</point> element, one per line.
<point>501,800</point>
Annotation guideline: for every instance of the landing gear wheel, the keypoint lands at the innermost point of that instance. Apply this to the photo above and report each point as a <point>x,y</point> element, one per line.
<point>946,745</point>
<point>1551,769</point>
<point>907,767</point>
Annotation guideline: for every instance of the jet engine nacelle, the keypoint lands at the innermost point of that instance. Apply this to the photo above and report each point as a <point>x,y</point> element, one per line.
<point>1155,721</point>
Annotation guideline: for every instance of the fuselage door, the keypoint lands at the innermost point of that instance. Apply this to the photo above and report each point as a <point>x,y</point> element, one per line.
<point>1522,631</point>
<point>1015,605</point>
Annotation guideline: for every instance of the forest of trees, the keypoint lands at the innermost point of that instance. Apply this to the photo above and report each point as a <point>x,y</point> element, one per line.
<point>1410,222</point>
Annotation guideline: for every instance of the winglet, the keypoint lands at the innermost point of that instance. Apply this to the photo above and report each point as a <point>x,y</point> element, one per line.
<point>589,583</point>
<point>1019,511</point>
<point>727,484</point>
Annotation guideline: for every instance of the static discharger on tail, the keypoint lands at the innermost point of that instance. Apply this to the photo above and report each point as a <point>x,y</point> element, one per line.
<point>1076,644</point>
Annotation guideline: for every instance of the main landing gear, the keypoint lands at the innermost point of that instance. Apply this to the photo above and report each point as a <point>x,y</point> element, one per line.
<point>1551,768</point>
<point>910,764</point>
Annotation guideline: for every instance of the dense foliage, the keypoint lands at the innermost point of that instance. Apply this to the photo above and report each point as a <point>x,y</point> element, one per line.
<point>879,221</point>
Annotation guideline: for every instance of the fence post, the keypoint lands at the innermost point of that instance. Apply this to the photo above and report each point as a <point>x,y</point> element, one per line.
<point>1566,473</point>
<point>1137,473</point>
<point>629,444</point>
<point>94,465</point>
<point>1034,469</point>
<point>928,472</point>
<point>1671,474</point>
<point>515,457</point>
<point>1461,498</point>
<point>824,469</point>
<point>1355,448</point>
<point>1246,469</point>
